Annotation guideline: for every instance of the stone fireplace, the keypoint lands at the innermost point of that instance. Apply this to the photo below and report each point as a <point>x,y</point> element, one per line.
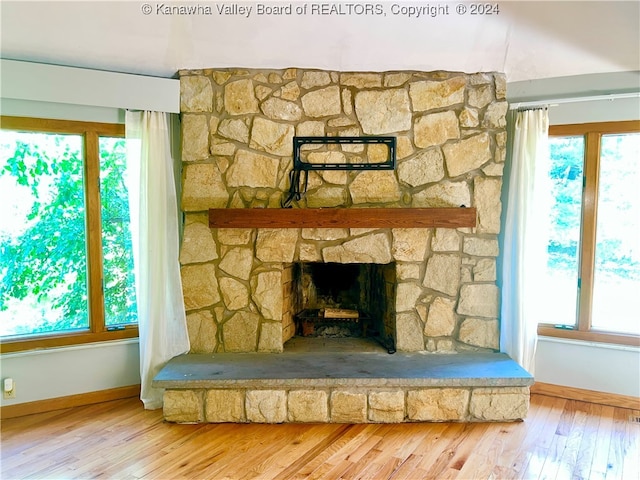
<point>430,291</point>
<point>238,127</point>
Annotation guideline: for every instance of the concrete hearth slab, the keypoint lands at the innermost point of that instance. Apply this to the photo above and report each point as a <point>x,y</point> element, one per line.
<point>341,369</point>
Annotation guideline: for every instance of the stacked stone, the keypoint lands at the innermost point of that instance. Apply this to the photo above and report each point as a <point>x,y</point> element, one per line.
<point>373,405</point>
<point>238,127</point>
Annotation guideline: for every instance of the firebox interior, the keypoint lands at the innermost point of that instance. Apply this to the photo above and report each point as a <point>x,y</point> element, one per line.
<point>335,300</point>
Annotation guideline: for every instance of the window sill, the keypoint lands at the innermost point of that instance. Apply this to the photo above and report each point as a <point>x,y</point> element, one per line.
<point>590,336</point>
<point>65,340</point>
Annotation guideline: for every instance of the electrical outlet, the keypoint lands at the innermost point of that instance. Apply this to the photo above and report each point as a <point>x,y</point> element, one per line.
<point>8,388</point>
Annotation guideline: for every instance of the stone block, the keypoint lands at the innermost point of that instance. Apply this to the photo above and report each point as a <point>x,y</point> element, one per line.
<point>396,79</point>
<point>195,138</point>
<point>267,294</point>
<point>222,406</point>
<point>373,248</point>
<point>220,148</point>
<point>410,244</point>
<point>443,273</point>
<point>237,262</point>
<point>499,404</point>
<point>253,170</point>
<point>361,80</point>
<point>272,137</point>
<point>441,319</point>
<point>348,407</point>
<point>324,234</point>
<point>445,240</point>
<point>468,154</point>
<point>235,294</point>
<point>196,94</point>
<point>197,244</point>
<point>240,332</point>
<point>290,91</point>
<point>485,270</point>
<point>382,112</point>
<point>480,247</point>
<point>266,406</point>
<point>326,197</point>
<point>203,188</point>
<point>443,194</point>
<point>234,236</point>
<point>500,81</point>
<point>183,406</point>
<point>271,337</point>
<point>202,330</point>
<point>387,407</point>
<point>199,286</point>
<point>480,332</point>
<point>234,129</point>
<point>279,109</point>
<point>310,129</point>
<point>407,295</point>
<point>276,244</point>
<point>322,103</point>
<point>407,271</point>
<point>308,406</point>
<point>479,300</point>
<point>311,79</point>
<point>495,115</point>
<point>429,95</point>
<point>426,167</point>
<point>481,96</point>
<point>438,404</point>
<point>239,98</point>
<point>486,198</point>
<point>409,336</point>
<point>469,118</point>
<point>375,187</point>
<point>435,129</point>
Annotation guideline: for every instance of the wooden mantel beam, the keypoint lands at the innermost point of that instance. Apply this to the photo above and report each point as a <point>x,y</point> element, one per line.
<point>342,217</point>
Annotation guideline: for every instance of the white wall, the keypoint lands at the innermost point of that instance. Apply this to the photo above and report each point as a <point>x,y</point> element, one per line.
<point>47,91</point>
<point>579,364</point>
<point>589,365</point>
<point>59,372</point>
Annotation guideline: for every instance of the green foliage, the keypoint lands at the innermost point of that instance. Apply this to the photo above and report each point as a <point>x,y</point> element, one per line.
<point>565,174</point>
<point>45,262</point>
<point>119,281</point>
<point>617,205</point>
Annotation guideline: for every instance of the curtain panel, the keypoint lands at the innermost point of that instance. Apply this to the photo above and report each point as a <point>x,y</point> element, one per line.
<point>523,244</point>
<point>155,236</point>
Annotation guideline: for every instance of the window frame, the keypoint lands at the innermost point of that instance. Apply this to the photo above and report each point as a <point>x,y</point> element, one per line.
<point>97,331</point>
<point>592,133</point>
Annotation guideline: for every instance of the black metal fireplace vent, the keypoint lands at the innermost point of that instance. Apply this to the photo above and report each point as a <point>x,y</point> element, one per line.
<point>296,191</point>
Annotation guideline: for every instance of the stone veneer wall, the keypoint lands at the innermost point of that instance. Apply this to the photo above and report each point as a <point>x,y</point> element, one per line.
<point>347,405</point>
<point>238,127</point>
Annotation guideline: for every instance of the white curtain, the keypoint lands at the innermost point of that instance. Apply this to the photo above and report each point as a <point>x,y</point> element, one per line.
<point>523,256</point>
<point>154,225</point>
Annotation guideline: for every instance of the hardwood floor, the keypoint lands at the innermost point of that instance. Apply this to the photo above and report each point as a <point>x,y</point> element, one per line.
<point>119,440</point>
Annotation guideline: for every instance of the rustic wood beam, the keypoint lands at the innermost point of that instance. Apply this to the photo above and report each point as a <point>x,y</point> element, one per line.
<point>342,217</point>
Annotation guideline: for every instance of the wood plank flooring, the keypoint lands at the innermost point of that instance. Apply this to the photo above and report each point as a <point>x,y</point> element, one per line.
<point>560,439</point>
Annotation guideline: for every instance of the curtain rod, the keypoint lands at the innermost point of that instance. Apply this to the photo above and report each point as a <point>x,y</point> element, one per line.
<point>556,101</point>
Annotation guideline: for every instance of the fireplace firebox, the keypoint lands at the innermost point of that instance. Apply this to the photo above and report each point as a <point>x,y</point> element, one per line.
<point>335,300</point>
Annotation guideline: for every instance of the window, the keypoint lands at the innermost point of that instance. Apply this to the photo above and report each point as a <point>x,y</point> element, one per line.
<point>66,264</point>
<point>593,233</point>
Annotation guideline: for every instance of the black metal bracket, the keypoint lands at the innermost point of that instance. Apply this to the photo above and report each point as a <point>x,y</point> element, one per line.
<point>299,166</point>
<point>388,164</point>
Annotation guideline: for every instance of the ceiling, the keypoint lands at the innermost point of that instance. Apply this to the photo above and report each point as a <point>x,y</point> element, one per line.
<point>525,40</point>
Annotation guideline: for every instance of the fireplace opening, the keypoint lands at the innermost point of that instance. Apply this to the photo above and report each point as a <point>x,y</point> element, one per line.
<point>352,300</point>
